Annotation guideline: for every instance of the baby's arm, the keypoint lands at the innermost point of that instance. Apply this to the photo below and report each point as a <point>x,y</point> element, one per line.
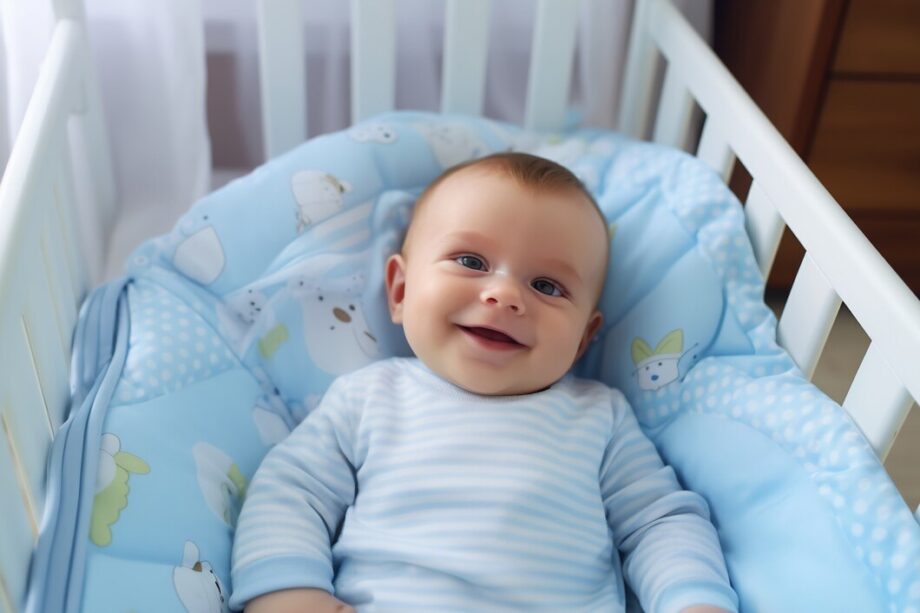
<point>295,504</point>
<point>671,553</point>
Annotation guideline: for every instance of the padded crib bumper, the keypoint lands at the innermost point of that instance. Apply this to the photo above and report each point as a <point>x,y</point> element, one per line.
<point>227,331</point>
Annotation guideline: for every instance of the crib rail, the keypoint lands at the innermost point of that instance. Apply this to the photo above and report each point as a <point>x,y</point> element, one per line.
<point>889,377</point>
<point>43,277</point>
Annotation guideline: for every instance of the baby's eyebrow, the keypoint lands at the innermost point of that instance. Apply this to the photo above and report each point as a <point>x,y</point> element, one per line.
<point>563,266</point>
<point>468,236</point>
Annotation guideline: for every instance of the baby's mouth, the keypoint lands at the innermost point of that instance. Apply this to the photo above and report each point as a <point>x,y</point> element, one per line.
<point>491,335</point>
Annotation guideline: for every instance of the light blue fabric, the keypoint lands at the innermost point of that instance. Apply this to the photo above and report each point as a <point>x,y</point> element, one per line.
<point>236,322</point>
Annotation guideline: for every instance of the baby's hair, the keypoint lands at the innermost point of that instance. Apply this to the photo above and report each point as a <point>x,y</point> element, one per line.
<point>528,170</point>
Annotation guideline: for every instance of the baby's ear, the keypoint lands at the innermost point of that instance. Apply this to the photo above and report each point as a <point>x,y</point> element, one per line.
<point>594,324</point>
<point>396,286</point>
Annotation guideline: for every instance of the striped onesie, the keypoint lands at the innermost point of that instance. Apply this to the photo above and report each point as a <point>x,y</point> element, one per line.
<point>403,492</point>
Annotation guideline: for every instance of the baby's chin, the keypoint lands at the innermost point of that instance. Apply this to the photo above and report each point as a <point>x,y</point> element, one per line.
<point>494,384</point>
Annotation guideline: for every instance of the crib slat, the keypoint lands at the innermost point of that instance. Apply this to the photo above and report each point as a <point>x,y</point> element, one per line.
<point>63,218</point>
<point>604,26</point>
<point>715,150</point>
<point>808,316</point>
<point>93,157</point>
<point>466,48</point>
<point>92,139</point>
<point>764,227</point>
<point>672,124</point>
<point>282,72</point>
<point>642,62</point>
<point>49,358</point>
<point>551,62</point>
<point>58,282</point>
<point>16,534</point>
<point>877,401</point>
<point>373,58</point>
<point>64,209</point>
<point>26,423</point>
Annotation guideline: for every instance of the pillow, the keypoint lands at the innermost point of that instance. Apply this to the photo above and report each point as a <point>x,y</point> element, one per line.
<point>233,325</point>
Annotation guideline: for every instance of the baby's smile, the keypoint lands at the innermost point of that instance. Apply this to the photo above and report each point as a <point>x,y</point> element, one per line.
<point>491,338</point>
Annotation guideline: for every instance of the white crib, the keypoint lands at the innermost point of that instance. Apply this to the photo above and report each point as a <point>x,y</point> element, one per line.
<point>43,275</point>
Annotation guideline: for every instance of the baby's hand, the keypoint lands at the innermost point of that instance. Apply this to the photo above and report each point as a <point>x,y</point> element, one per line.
<point>298,601</point>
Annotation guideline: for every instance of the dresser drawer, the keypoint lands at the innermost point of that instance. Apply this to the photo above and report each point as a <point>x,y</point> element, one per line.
<point>880,36</point>
<point>866,148</point>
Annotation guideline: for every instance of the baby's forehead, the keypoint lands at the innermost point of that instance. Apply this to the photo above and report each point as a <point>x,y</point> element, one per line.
<point>485,178</point>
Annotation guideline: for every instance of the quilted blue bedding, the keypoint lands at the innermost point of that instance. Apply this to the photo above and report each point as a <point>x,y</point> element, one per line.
<point>225,333</point>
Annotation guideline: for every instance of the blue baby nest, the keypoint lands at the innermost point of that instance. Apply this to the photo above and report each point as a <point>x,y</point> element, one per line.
<point>226,332</point>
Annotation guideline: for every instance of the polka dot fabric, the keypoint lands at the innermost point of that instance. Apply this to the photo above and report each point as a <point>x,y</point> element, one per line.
<point>171,346</point>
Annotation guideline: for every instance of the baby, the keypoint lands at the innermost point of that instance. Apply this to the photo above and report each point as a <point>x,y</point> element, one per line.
<point>477,476</point>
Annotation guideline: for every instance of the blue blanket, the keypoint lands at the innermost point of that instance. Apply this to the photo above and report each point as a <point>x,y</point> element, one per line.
<point>226,331</point>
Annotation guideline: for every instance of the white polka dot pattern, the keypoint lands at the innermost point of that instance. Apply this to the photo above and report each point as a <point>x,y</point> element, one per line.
<point>171,346</point>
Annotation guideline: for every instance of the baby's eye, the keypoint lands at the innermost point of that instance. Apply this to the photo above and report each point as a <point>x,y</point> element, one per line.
<point>472,262</point>
<point>547,287</point>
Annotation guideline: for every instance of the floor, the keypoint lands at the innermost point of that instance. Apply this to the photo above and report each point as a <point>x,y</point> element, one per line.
<point>843,352</point>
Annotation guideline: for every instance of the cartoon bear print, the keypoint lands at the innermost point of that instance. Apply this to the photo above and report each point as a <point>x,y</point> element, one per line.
<point>319,196</point>
<point>199,254</point>
<point>374,132</point>
<point>222,484</point>
<point>237,315</point>
<point>336,333</point>
<point>659,367</point>
<point>269,425</point>
<point>248,305</point>
<point>199,589</point>
<point>112,488</point>
<point>452,143</point>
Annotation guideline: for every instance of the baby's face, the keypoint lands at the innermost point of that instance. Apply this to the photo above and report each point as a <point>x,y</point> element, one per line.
<point>497,286</point>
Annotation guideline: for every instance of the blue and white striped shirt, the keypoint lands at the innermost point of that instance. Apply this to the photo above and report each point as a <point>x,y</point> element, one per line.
<point>404,492</point>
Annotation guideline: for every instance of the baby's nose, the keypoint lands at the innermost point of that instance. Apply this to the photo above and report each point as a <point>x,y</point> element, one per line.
<point>504,293</point>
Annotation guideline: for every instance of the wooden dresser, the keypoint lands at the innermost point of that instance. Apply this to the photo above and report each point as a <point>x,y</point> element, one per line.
<point>841,81</point>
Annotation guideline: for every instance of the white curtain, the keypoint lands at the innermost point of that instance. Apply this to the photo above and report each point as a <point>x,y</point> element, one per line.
<point>176,93</point>
<point>25,30</point>
<point>150,66</point>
